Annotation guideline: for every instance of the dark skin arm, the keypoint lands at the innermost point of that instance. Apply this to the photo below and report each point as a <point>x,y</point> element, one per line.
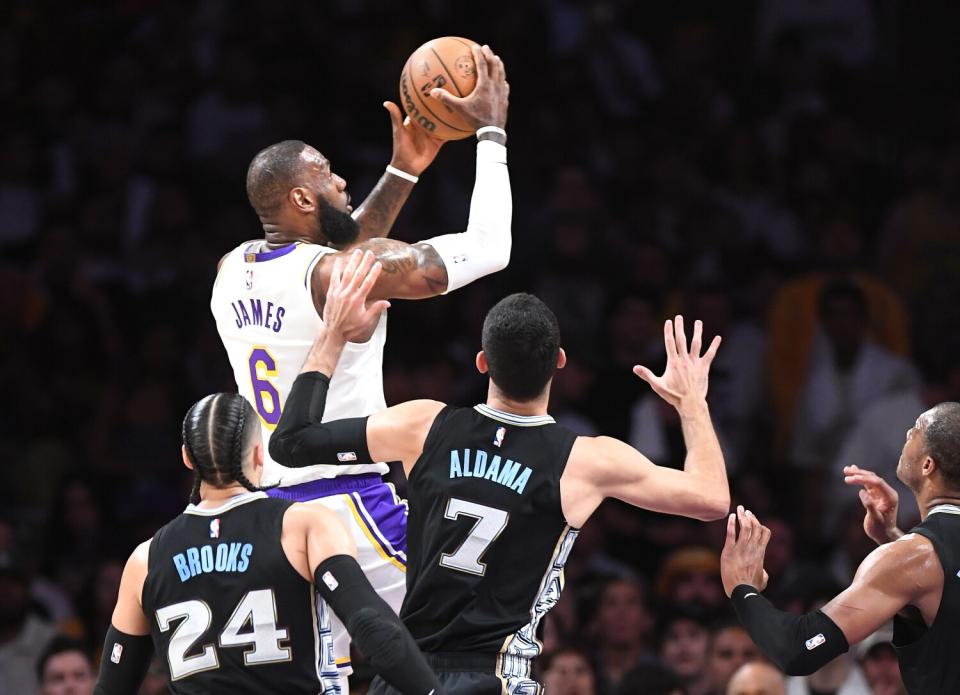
<point>904,575</point>
<point>413,151</point>
<point>416,271</point>
<point>410,271</point>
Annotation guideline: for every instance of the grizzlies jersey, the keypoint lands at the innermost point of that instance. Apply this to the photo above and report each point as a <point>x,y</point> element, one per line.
<point>927,656</point>
<point>228,612</point>
<point>487,536</point>
<point>266,318</point>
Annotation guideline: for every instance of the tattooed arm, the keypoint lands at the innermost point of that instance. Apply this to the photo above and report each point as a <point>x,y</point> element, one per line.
<point>410,271</point>
<point>413,151</point>
<point>379,210</point>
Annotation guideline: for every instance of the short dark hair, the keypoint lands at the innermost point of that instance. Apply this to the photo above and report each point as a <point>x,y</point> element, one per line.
<point>842,289</point>
<point>272,172</point>
<point>941,438</point>
<point>60,644</point>
<point>216,432</point>
<point>521,340</point>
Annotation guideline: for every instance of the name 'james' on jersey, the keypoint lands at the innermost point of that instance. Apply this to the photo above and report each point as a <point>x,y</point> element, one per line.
<point>488,539</point>
<point>228,612</point>
<point>267,320</point>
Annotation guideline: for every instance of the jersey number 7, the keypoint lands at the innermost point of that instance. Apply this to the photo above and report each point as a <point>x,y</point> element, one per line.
<point>489,525</point>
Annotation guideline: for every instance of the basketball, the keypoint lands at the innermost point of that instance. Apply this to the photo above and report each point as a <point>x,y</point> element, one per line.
<point>446,63</point>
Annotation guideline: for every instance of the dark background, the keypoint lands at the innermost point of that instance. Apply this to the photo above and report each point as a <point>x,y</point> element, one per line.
<point>726,160</point>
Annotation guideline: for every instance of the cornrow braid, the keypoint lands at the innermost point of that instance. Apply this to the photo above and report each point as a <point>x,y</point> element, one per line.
<point>236,453</point>
<point>214,434</point>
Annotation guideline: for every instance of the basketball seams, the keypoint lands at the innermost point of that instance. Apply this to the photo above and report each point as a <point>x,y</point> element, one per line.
<point>453,80</point>
<point>420,98</point>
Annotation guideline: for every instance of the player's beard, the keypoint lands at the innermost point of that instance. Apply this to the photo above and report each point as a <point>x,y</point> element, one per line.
<point>337,226</point>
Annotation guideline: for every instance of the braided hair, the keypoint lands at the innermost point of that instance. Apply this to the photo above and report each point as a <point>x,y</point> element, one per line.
<point>215,433</point>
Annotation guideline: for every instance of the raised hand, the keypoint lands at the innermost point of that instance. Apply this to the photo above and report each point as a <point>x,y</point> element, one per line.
<point>414,149</point>
<point>346,312</point>
<point>741,560</point>
<point>487,103</point>
<point>685,380</point>
<point>880,501</point>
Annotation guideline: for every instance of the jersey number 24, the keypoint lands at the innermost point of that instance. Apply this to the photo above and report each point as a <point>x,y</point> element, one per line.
<point>258,608</point>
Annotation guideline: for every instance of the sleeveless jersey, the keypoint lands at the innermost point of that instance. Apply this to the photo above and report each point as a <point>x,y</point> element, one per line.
<point>267,321</point>
<point>928,663</point>
<point>228,612</point>
<point>487,536</point>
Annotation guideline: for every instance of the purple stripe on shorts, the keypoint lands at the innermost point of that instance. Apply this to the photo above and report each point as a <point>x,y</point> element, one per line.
<point>324,487</point>
<point>388,514</point>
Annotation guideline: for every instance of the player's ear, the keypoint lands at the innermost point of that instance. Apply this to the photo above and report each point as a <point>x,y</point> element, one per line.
<point>186,459</point>
<point>482,365</point>
<point>927,466</point>
<point>258,460</point>
<point>561,359</point>
<point>302,199</point>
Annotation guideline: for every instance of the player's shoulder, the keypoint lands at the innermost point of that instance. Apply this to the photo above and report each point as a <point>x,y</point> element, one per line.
<point>138,563</point>
<point>141,554</point>
<point>306,517</point>
<point>910,560</point>
<point>597,450</point>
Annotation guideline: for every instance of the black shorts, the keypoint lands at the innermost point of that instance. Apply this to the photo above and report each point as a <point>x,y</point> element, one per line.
<point>462,674</point>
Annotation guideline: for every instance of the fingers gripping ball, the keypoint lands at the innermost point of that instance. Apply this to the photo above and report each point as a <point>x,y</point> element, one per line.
<point>446,63</point>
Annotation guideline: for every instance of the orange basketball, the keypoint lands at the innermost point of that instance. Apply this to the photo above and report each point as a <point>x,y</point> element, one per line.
<point>447,63</point>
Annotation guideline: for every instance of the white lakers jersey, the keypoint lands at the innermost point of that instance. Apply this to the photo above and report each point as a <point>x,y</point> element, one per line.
<point>267,320</point>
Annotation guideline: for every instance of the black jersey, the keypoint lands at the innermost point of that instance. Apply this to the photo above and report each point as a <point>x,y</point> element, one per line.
<point>928,661</point>
<point>487,536</point>
<point>228,612</point>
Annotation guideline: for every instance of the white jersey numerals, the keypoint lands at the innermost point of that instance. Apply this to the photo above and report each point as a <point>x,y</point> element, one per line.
<point>256,614</point>
<point>489,525</point>
<point>196,617</point>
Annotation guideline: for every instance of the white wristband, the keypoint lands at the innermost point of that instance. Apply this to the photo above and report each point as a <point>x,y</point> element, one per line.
<point>402,174</point>
<point>490,129</point>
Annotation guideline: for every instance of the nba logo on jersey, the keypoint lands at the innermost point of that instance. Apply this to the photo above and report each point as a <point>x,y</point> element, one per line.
<point>501,433</point>
<point>116,653</point>
<point>215,528</point>
<point>249,278</point>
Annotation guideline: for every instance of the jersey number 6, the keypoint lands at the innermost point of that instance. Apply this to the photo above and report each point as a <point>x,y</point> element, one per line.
<point>490,524</point>
<point>265,395</point>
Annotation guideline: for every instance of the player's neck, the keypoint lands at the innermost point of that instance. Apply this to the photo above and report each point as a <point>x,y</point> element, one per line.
<point>496,399</point>
<point>928,503</point>
<point>215,496</point>
<point>274,236</point>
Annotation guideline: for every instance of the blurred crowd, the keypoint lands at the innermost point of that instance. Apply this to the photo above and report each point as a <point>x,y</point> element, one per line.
<point>788,171</point>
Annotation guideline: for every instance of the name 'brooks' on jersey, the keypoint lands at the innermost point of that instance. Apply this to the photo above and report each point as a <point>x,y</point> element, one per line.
<point>228,612</point>
<point>267,320</point>
<point>490,537</point>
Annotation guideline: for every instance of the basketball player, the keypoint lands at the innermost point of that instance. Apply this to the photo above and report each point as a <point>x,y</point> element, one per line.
<point>269,295</point>
<point>225,592</point>
<point>498,492</point>
<point>911,578</point>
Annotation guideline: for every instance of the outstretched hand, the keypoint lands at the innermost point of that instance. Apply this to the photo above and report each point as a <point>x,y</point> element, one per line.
<point>879,500</point>
<point>685,380</point>
<point>346,311</point>
<point>741,561</point>
<point>414,149</point>
<point>487,103</point>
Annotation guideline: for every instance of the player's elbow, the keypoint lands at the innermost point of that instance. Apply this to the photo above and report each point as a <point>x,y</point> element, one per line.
<point>279,451</point>
<point>502,260</point>
<point>798,667</point>
<point>714,507</point>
